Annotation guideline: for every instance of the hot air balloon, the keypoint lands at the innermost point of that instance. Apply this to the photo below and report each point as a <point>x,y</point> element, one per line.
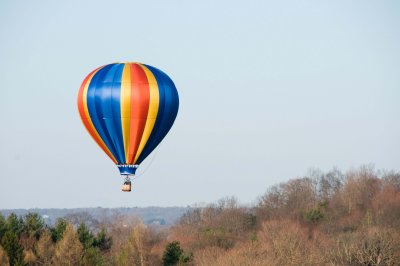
<point>128,109</point>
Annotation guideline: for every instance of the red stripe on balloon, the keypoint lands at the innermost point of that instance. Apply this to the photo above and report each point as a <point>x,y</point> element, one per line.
<point>140,99</point>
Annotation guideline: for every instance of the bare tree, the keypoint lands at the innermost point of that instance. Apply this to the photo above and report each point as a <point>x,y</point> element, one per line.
<point>45,249</point>
<point>137,250</point>
<point>371,247</point>
<point>69,250</point>
<point>3,257</point>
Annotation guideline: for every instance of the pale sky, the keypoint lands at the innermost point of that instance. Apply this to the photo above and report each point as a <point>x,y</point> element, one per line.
<point>268,89</point>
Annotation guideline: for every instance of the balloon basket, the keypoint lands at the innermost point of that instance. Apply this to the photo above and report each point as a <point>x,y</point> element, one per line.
<point>127,186</point>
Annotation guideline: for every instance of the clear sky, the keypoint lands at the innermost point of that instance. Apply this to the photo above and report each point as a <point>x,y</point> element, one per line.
<point>268,89</point>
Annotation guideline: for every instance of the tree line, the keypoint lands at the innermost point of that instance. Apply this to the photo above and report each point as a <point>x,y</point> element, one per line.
<point>331,218</point>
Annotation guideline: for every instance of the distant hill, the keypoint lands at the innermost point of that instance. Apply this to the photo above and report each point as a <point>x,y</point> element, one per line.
<point>164,216</point>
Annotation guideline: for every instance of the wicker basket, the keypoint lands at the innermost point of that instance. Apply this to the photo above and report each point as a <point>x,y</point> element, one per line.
<point>127,186</point>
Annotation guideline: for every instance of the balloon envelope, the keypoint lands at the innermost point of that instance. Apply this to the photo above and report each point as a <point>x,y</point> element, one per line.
<point>128,109</point>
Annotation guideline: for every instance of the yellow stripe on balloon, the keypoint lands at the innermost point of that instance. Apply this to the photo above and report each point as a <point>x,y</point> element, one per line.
<point>86,109</point>
<point>153,110</point>
<point>126,107</point>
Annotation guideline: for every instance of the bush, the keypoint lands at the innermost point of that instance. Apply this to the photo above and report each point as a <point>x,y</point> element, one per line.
<point>174,255</point>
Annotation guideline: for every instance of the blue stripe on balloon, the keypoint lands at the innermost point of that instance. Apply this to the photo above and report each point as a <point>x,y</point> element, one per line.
<point>116,113</point>
<point>95,113</point>
<point>105,102</point>
<point>167,112</point>
<point>101,103</point>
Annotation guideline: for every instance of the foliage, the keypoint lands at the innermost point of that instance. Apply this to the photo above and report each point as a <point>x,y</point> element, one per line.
<point>33,224</point>
<point>331,218</point>
<point>93,257</point>
<point>89,241</point>
<point>174,255</point>
<point>3,226</point>
<point>314,215</point>
<point>58,231</point>
<point>15,224</point>
<point>26,241</point>
<point>85,236</point>
<point>102,241</point>
<point>12,247</point>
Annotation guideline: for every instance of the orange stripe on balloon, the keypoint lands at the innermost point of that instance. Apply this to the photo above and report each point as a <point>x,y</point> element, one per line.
<point>84,114</point>
<point>140,98</point>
